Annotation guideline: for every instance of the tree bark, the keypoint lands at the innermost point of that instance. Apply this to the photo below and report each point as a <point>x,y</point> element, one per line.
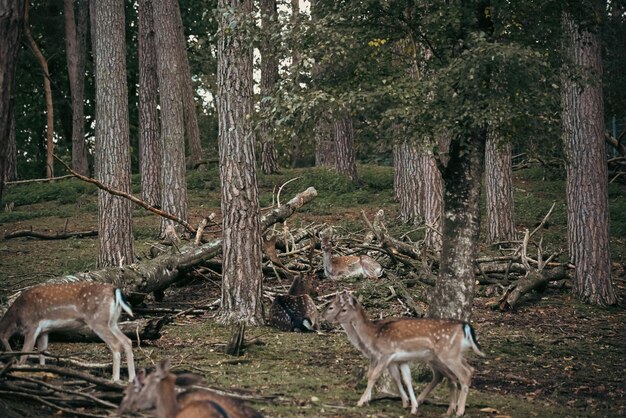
<point>269,79</point>
<point>454,289</point>
<point>149,139</point>
<point>75,41</point>
<point>11,24</point>
<point>296,59</point>
<point>587,177</point>
<point>47,93</point>
<point>196,155</point>
<point>116,245</point>
<point>173,181</point>
<point>10,167</point>
<point>499,183</point>
<point>242,278</point>
<point>345,162</point>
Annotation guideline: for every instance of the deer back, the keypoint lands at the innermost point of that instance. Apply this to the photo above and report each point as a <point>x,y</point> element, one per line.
<point>293,313</point>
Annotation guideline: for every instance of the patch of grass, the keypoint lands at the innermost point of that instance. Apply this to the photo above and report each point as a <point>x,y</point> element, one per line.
<point>62,191</point>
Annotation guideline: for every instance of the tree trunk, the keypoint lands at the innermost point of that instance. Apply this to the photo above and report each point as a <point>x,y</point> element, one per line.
<point>112,163</point>
<point>269,78</point>
<point>75,41</point>
<point>189,98</point>
<point>587,177</point>
<point>242,278</point>
<point>173,182</point>
<point>325,153</point>
<point>430,199</point>
<point>345,163</point>
<point>149,140</point>
<point>296,58</point>
<point>10,167</point>
<point>499,182</point>
<point>11,23</point>
<point>406,186</point>
<point>453,294</point>
<point>47,92</point>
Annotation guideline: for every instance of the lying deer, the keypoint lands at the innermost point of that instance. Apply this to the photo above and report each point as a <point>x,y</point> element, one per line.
<point>295,311</point>
<point>54,307</point>
<point>438,342</point>
<point>341,267</point>
<point>158,389</point>
<point>400,372</point>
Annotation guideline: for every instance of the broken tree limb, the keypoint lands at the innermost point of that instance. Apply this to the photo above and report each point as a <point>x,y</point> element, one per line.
<point>54,236</point>
<point>532,281</point>
<point>144,277</point>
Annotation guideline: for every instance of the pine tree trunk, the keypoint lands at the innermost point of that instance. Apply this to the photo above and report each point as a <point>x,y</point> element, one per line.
<point>296,150</point>
<point>453,294</point>
<point>241,277</point>
<point>587,176</point>
<point>430,199</point>
<point>189,98</point>
<point>345,163</point>
<point>149,139</point>
<point>325,153</point>
<point>499,182</point>
<point>173,181</point>
<point>406,186</point>
<point>10,167</point>
<point>11,23</point>
<point>112,162</point>
<point>269,78</point>
<point>76,40</point>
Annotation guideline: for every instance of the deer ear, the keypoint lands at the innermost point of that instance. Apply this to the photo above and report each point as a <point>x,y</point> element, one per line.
<point>140,378</point>
<point>163,367</point>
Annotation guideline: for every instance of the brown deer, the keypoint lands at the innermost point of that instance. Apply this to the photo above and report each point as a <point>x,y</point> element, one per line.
<point>55,307</point>
<point>296,311</point>
<point>438,342</point>
<point>158,389</point>
<point>341,267</point>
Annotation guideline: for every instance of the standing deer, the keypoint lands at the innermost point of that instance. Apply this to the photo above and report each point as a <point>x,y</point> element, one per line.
<point>55,307</point>
<point>400,372</point>
<point>295,311</point>
<point>341,267</point>
<point>438,342</point>
<point>158,389</point>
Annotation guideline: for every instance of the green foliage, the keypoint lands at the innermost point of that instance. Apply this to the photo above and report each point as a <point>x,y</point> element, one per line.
<point>63,191</point>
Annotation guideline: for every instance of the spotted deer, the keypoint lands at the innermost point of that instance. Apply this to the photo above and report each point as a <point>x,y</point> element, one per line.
<point>56,307</point>
<point>341,267</point>
<point>395,342</point>
<point>295,311</point>
<point>158,389</point>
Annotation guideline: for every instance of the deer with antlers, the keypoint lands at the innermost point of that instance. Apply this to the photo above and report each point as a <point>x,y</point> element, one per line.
<point>341,267</point>
<point>55,307</point>
<point>158,389</point>
<point>393,343</point>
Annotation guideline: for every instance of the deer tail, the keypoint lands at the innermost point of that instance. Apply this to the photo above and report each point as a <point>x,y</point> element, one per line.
<point>120,300</point>
<point>470,338</point>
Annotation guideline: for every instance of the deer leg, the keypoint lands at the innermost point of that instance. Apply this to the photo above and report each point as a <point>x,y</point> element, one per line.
<point>405,369</point>
<point>394,372</point>
<point>437,377</point>
<point>106,335</point>
<point>463,372</point>
<point>128,350</point>
<point>374,372</point>
<point>42,345</point>
<point>29,343</point>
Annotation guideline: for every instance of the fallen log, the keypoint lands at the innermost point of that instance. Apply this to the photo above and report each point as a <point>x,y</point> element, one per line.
<point>532,281</point>
<point>54,236</point>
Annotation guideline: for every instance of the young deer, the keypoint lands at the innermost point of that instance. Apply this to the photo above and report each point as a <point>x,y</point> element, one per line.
<point>54,307</point>
<point>295,311</point>
<point>158,389</point>
<point>438,342</point>
<point>340,267</point>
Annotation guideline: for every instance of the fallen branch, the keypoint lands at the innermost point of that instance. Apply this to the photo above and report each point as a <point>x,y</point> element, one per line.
<point>533,280</point>
<point>43,236</point>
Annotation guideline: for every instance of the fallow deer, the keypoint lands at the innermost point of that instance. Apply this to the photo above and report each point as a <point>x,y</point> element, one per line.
<point>55,307</point>
<point>295,311</point>
<point>438,342</point>
<point>158,389</point>
<point>341,267</point>
<point>399,371</point>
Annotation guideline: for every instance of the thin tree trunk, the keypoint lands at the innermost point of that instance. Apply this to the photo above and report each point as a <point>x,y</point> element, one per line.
<point>173,181</point>
<point>189,98</point>
<point>269,78</point>
<point>406,186</point>
<point>453,294</point>
<point>75,40</point>
<point>325,150</point>
<point>430,199</point>
<point>47,92</point>
<point>587,177</point>
<point>149,139</point>
<point>116,245</point>
<point>10,168</point>
<point>499,183</point>
<point>296,151</point>
<point>242,277</point>
<point>345,162</point>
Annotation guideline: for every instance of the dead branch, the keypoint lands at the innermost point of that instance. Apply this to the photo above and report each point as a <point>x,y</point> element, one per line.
<point>130,197</point>
<point>533,280</point>
<point>44,236</point>
<point>51,179</point>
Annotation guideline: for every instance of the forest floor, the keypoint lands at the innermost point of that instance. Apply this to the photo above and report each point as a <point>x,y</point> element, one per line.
<point>551,357</point>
